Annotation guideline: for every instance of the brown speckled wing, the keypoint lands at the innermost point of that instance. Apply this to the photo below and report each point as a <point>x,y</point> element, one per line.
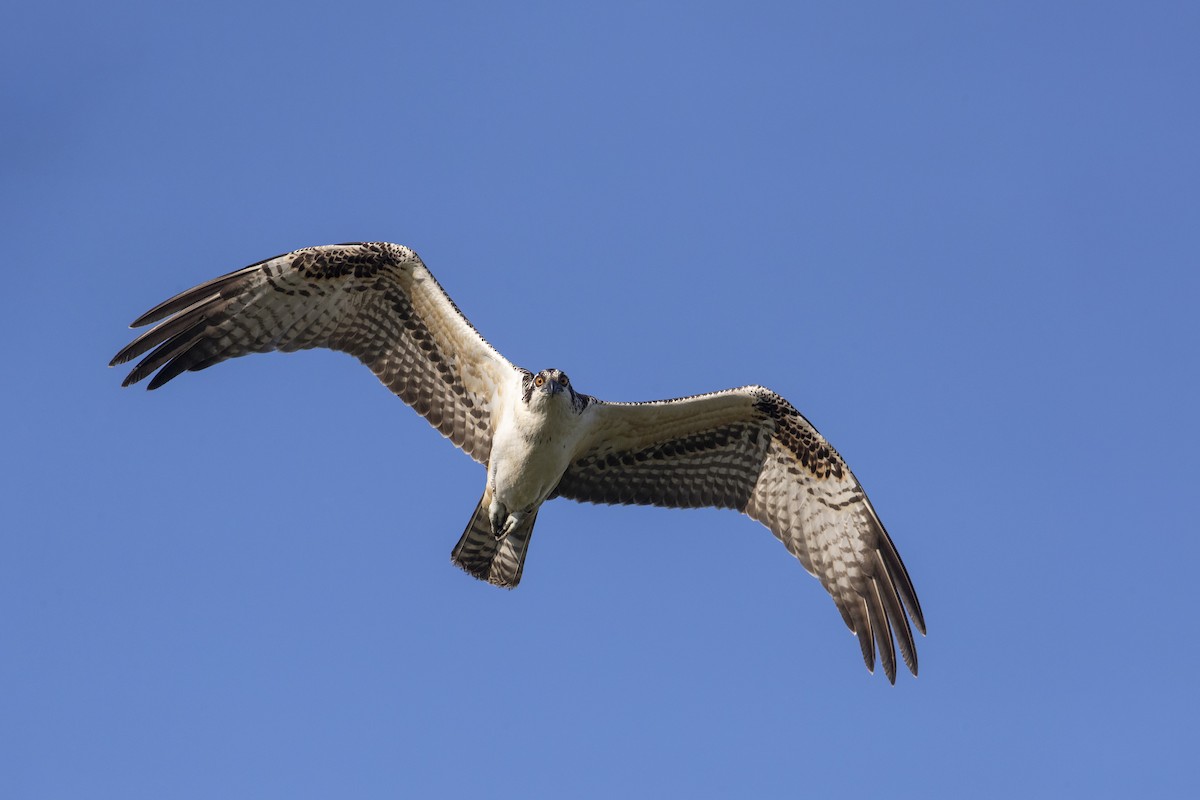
<point>374,300</point>
<point>749,449</point>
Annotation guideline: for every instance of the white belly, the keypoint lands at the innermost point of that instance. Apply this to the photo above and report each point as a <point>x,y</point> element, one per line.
<point>522,473</point>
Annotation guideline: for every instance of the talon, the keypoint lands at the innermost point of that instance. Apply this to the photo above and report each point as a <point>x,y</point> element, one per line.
<point>510,524</point>
<point>496,517</point>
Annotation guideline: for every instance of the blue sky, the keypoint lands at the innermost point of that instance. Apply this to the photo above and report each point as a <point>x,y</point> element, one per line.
<point>961,238</point>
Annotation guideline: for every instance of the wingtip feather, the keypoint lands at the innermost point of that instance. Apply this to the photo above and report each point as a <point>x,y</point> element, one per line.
<point>895,614</point>
<point>862,629</point>
<point>882,630</point>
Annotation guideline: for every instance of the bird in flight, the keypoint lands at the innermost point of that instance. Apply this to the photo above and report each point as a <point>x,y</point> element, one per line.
<point>746,449</point>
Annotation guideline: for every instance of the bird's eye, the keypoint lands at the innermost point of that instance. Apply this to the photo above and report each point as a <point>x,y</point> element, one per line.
<point>562,379</point>
<point>539,380</point>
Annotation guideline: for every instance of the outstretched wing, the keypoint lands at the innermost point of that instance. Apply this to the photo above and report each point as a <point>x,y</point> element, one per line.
<point>749,449</point>
<point>375,301</point>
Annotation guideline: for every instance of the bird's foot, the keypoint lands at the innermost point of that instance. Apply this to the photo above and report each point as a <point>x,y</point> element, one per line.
<point>510,525</point>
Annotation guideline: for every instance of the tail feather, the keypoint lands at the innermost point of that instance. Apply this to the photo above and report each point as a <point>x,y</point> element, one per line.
<point>479,553</point>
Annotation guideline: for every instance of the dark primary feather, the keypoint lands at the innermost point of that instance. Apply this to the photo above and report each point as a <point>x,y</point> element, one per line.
<point>195,294</point>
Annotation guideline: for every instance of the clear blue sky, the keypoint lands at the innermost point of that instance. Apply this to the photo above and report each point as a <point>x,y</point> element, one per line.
<point>961,238</point>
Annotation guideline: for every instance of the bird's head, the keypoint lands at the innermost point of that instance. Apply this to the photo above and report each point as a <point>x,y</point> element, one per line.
<point>552,385</point>
<point>550,382</point>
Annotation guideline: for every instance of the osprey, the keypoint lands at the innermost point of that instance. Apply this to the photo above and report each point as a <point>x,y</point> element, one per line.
<point>746,449</point>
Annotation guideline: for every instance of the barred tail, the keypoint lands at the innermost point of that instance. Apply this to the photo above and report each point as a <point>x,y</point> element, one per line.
<point>499,562</point>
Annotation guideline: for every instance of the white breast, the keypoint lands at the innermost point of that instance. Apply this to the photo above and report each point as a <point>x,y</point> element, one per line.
<point>532,447</point>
